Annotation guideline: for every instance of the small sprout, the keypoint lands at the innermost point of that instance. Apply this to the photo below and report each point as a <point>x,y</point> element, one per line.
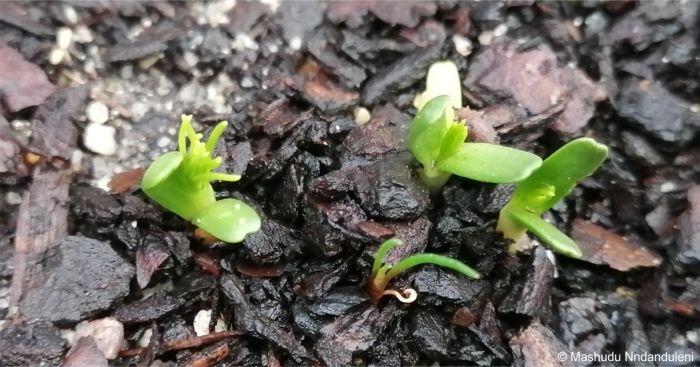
<point>438,143</point>
<point>547,185</point>
<point>442,79</point>
<point>383,273</point>
<point>180,181</point>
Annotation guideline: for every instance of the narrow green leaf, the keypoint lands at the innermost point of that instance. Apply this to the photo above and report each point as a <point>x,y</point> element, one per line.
<point>562,170</point>
<point>553,237</point>
<point>435,259</point>
<point>229,220</point>
<point>454,138</point>
<point>383,249</point>
<point>160,169</point>
<point>428,129</point>
<point>490,163</point>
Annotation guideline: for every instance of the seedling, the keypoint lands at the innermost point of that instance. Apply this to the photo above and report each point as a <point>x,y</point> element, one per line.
<point>180,181</point>
<point>545,187</point>
<point>438,143</point>
<point>383,273</point>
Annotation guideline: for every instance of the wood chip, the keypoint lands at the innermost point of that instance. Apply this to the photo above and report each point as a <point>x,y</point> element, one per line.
<point>126,181</point>
<point>600,246</point>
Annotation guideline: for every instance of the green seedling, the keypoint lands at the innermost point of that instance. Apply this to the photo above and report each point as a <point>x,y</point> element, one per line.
<point>383,273</point>
<point>180,181</point>
<point>545,187</point>
<point>438,143</point>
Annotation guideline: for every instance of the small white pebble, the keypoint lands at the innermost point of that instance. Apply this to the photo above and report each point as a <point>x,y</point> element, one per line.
<point>83,34</point>
<point>485,38</point>
<point>463,45</point>
<point>247,82</point>
<point>70,14</point>
<point>145,340</point>
<point>695,108</point>
<point>361,115</point>
<point>64,37</point>
<point>692,336</point>
<point>243,42</point>
<point>190,58</point>
<point>500,30</point>
<point>295,43</point>
<point>668,187</point>
<point>163,142</point>
<point>57,55</point>
<point>108,334</point>
<point>76,160</point>
<point>578,21</point>
<point>13,198</point>
<point>201,322</point>
<point>100,139</point>
<point>97,112</point>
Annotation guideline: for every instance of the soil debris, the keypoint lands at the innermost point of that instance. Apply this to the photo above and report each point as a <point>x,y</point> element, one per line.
<point>533,297</point>
<point>534,80</point>
<point>149,309</point>
<point>85,352</point>
<point>253,322</point>
<point>56,135</point>
<point>537,345</point>
<point>22,84</point>
<point>689,240</point>
<point>355,331</point>
<point>75,289</point>
<point>30,344</point>
<point>151,41</point>
<point>600,246</point>
<point>655,109</point>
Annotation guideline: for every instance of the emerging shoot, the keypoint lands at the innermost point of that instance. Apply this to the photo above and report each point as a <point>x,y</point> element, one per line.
<point>443,79</point>
<point>548,185</point>
<point>180,181</point>
<point>438,143</point>
<point>383,273</point>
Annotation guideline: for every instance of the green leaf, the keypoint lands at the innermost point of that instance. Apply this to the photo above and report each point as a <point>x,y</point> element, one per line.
<point>454,138</point>
<point>558,241</point>
<point>558,175</point>
<point>428,129</point>
<point>490,163</point>
<point>383,249</point>
<point>160,169</point>
<point>435,259</point>
<point>229,220</point>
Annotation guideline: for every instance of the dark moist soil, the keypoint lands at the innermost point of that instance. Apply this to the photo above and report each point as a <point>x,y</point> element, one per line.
<point>288,79</point>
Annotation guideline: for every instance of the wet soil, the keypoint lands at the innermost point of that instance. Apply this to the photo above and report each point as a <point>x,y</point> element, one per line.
<point>91,93</point>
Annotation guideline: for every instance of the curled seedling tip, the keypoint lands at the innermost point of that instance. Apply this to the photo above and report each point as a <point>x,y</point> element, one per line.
<point>383,273</point>
<point>408,295</point>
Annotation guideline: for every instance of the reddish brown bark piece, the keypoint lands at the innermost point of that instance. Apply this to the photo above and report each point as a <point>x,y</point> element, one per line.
<point>258,271</point>
<point>180,344</point>
<point>538,346</point>
<point>209,356</point>
<point>535,80</point>
<point>42,221</point>
<point>85,353</point>
<point>22,84</point>
<point>126,181</point>
<point>463,317</point>
<point>149,258</point>
<point>600,246</point>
